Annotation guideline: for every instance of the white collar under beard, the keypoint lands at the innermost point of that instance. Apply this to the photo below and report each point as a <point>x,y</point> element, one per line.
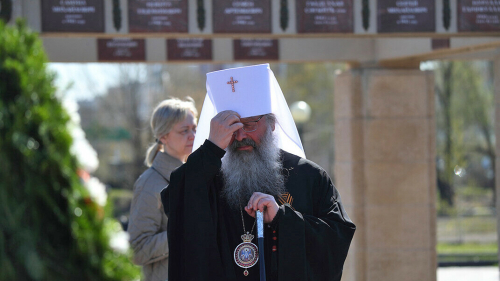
<point>246,172</point>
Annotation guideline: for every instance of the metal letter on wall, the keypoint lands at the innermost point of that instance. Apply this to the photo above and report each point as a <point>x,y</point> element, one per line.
<point>72,16</point>
<point>479,16</point>
<point>249,16</point>
<point>158,16</point>
<point>334,16</point>
<point>406,16</point>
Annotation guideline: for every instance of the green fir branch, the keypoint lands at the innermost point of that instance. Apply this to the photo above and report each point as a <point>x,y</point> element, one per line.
<point>284,14</point>
<point>200,10</point>
<point>446,14</point>
<point>365,12</point>
<point>117,15</point>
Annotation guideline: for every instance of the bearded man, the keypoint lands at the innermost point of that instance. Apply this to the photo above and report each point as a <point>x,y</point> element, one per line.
<point>251,162</point>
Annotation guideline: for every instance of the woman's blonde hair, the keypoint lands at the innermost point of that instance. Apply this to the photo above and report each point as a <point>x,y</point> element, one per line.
<point>166,114</point>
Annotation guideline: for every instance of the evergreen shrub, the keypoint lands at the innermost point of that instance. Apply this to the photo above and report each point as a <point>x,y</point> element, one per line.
<point>50,229</point>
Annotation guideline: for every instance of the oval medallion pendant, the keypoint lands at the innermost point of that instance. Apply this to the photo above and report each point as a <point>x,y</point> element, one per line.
<point>246,254</point>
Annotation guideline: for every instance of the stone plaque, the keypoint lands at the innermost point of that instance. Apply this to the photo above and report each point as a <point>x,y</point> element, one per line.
<point>335,16</point>
<point>440,43</point>
<point>242,16</point>
<point>189,49</point>
<point>158,15</point>
<point>478,15</point>
<point>72,15</point>
<point>406,16</point>
<point>256,49</point>
<point>121,49</point>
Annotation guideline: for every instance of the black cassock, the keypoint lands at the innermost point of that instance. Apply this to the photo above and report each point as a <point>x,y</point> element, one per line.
<point>312,229</point>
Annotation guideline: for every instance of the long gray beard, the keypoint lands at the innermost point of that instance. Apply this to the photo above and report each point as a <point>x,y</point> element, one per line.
<point>246,172</point>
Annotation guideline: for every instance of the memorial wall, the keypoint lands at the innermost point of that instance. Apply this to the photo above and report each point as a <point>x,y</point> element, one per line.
<point>72,16</point>
<point>249,16</point>
<point>325,16</point>
<point>189,27</point>
<point>157,16</point>
<point>478,15</point>
<point>406,16</point>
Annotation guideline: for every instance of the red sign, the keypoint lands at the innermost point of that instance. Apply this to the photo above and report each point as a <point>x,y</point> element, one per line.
<point>158,15</point>
<point>121,49</point>
<point>256,49</point>
<point>235,16</point>
<point>325,16</point>
<point>72,15</point>
<point>478,15</point>
<point>189,49</point>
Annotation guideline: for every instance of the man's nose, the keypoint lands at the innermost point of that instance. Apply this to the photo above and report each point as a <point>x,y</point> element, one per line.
<point>240,135</point>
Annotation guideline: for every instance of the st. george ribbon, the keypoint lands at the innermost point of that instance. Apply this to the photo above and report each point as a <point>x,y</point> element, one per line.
<point>260,239</point>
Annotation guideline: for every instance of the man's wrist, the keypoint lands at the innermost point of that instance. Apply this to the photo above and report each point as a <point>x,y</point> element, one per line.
<point>215,149</point>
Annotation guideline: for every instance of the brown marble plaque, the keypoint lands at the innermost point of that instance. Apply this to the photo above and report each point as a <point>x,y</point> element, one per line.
<point>189,49</point>
<point>256,49</point>
<point>158,16</point>
<point>440,43</point>
<point>237,16</point>
<point>121,49</point>
<point>72,15</point>
<point>325,16</point>
<point>406,16</point>
<point>478,15</point>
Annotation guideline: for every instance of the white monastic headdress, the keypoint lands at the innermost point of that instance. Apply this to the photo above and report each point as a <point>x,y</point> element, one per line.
<point>250,91</point>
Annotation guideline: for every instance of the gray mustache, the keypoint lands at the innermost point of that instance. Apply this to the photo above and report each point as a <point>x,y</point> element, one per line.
<point>243,142</point>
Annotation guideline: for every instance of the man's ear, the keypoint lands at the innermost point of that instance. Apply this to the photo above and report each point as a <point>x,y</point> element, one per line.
<point>273,126</point>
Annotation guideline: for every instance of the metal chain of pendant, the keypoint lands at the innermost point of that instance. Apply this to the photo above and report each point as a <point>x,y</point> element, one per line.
<point>246,253</point>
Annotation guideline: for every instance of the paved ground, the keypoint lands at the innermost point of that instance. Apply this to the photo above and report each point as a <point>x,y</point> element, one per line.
<point>489,273</point>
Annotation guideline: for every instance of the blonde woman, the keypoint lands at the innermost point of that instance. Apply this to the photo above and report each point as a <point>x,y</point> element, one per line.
<point>174,126</point>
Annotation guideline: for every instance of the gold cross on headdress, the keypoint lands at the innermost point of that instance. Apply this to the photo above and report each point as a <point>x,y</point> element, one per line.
<point>232,82</point>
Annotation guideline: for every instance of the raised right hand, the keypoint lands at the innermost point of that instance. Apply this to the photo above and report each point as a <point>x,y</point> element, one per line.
<point>222,127</point>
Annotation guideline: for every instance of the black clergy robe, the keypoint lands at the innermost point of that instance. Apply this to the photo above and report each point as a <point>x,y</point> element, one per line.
<point>312,229</point>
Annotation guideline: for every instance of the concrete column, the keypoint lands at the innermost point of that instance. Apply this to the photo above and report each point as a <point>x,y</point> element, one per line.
<point>385,171</point>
